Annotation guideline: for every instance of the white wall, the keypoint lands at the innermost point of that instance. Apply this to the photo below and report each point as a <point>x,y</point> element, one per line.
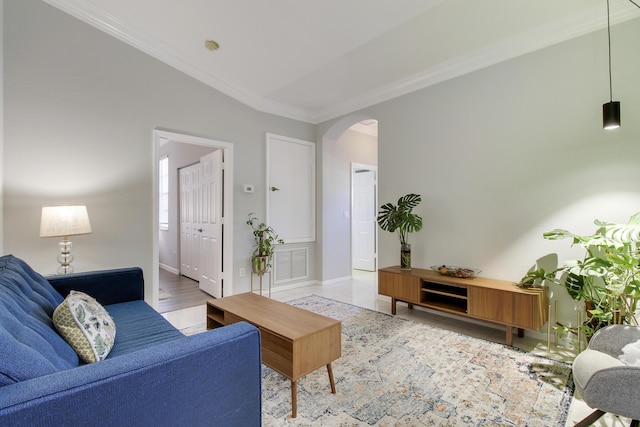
<point>506,153</point>
<point>80,108</point>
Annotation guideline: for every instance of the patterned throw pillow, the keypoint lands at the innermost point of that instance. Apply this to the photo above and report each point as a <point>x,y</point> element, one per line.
<point>86,326</point>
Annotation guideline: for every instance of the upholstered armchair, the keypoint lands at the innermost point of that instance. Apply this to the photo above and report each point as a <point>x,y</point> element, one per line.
<point>607,373</point>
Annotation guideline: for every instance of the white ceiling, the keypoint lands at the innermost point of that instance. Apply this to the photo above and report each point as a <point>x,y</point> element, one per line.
<point>314,60</point>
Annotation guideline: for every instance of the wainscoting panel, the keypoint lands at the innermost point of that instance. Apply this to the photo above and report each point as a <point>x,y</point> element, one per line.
<point>290,264</point>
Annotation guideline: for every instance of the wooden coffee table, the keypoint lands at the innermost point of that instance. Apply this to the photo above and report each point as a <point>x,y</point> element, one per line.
<point>294,341</point>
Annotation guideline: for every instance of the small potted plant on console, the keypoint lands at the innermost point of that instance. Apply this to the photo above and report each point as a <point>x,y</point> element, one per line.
<point>402,220</point>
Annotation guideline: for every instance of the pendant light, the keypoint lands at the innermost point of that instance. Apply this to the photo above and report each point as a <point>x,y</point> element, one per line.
<point>610,110</point>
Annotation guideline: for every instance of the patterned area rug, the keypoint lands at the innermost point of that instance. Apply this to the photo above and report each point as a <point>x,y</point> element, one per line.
<point>395,372</point>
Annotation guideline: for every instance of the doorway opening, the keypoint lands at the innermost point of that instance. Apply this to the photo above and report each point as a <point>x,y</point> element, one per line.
<point>225,266</point>
<point>364,206</point>
<point>199,211</point>
<point>351,141</point>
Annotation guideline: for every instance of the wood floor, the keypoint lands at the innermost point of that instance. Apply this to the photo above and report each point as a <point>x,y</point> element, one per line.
<point>183,292</point>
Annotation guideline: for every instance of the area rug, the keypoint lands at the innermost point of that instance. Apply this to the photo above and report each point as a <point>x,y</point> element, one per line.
<point>396,372</point>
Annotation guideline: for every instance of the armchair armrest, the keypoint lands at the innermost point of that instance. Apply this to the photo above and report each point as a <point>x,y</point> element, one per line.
<point>106,286</point>
<point>212,378</point>
<point>615,390</point>
<point>613,338</point>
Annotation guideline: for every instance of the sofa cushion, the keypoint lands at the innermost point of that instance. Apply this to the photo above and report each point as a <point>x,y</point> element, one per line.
<point>29,344</point>
<point>139,326</point>
<point>86,326</point>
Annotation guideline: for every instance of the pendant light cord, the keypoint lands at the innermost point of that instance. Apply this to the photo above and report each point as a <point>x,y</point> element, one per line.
<point>609,38</point>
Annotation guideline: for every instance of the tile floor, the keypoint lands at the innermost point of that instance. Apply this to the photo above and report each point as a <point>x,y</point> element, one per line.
<point>362,289</point>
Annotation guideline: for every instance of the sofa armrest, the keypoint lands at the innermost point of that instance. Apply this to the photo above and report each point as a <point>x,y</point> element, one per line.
<point>212,378</point>
<point>106,286</point>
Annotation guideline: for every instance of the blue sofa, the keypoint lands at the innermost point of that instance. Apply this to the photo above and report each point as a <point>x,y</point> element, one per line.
<point>153,375</point>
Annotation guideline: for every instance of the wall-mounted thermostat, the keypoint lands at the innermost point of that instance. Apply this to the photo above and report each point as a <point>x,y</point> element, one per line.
<point>248,188</point>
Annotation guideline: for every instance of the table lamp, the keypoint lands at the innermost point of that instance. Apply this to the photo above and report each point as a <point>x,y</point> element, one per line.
<point>64,221</point>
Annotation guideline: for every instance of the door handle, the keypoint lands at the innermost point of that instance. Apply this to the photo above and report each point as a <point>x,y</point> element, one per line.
<point>275,189</point>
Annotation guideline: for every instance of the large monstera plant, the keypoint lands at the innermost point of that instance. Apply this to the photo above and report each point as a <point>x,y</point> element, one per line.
<point>401,220</point>
<point>607,279</point>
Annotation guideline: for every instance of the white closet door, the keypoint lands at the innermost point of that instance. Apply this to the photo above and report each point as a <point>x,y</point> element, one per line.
<point>211,235</point>
<point>190,196</point>
<point>291,188</point>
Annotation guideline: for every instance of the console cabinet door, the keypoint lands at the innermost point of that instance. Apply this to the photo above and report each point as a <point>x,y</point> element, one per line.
<point>404,288</point>
<point>491,304</point>
<point>531,310</point>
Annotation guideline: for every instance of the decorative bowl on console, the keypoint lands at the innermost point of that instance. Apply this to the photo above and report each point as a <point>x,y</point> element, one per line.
<point>454,271</point>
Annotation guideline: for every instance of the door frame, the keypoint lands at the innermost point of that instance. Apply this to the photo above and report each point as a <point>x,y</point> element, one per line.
<point>354,168</point>
<point>227,210</point>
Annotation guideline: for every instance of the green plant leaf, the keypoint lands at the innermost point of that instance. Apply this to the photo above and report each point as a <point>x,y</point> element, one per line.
<point>265,237</point>
<point>574,284</point>
<point>400,218</point>
<point>408,202</point>
<point>608,274</point>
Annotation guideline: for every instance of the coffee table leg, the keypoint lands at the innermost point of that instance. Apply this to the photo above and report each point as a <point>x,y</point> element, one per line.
<point>294,399</point>
<point>333,384</point>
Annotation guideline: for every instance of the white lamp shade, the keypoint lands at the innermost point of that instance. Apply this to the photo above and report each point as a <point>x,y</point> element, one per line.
<point>59,221</point>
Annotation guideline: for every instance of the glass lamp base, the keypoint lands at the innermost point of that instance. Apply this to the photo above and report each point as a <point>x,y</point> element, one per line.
<point>65,258</point>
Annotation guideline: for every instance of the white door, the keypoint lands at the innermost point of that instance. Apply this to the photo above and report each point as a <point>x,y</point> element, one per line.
<point>363,223</point>
<point>291,188</point>
<point>211,224</point>
<point>190,196</point>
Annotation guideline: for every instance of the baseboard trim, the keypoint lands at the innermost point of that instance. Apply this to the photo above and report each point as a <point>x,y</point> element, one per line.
<point>169,269</point>
<point>310,282</point>
<point>337,280</point>
<point>288,287</point>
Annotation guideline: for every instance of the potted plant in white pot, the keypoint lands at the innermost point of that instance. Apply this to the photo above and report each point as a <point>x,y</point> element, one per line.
<point>402,220</point>
<point>266,239</point>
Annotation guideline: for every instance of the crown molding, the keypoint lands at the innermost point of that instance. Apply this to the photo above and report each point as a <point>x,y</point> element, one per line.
<point>152,46</point>
<point>548,35</point>
<point>545,36</point>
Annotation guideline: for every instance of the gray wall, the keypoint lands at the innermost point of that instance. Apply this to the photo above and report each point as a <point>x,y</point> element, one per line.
<point>80,108</point>
<point>511,151</point>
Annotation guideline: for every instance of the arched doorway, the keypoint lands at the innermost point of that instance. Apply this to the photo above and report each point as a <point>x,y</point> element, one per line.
<point>351,140</point>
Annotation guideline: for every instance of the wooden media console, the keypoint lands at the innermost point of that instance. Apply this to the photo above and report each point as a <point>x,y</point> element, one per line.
<point>490,300</point>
